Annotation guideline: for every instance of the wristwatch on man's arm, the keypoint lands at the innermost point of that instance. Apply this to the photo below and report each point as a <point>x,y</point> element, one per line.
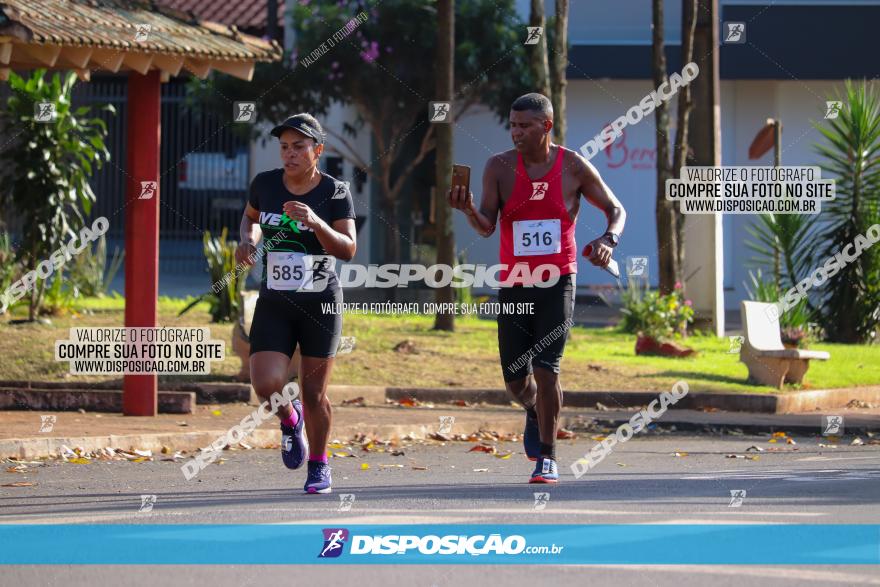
<point>611,238</point>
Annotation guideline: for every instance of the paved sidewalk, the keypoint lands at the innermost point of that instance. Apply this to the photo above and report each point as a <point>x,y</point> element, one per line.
<point>20,434</point>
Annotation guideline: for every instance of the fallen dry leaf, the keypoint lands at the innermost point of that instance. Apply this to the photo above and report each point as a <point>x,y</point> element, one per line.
<point>419,468</point>
<point>19,484</point>
<point>355,401</point>
<point>483,448</point>
<point>778,435</point>
<point>461,403</point>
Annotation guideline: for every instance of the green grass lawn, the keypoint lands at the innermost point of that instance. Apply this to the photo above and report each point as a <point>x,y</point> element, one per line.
<point>595,359</point>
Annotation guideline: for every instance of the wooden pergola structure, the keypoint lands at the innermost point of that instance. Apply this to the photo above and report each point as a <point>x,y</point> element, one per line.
<point>150,44</point>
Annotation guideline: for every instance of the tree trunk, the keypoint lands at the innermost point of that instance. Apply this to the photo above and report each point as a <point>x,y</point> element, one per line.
<point>667,233</point>
<point>685,105</point>
<point>538,52</point>
<point>557,74</point>
<point>445,236</point>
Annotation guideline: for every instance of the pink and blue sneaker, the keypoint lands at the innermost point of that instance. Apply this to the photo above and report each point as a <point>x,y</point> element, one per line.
<point>293,443</point>
<point>545,471</point>
<point>318,480</point>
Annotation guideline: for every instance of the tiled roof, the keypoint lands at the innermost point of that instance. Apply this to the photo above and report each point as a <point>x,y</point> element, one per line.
<point>245,14</point>
<point>113,24</point>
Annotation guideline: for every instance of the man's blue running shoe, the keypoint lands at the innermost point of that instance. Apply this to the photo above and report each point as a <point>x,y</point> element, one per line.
<point>545,471</point>
<point>293,442</point>
<point>532,438</point>
<point>318,480</point>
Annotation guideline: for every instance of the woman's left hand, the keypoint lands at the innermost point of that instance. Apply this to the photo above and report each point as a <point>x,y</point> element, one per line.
<point>302,213</point>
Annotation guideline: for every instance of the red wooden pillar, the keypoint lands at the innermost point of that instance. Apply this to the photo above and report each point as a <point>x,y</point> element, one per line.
<point>139,397</point>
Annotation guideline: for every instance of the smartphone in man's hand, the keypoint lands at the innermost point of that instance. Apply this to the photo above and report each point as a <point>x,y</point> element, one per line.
<point>461,176</point>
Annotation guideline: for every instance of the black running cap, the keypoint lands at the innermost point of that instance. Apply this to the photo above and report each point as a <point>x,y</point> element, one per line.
<point>298,123</point>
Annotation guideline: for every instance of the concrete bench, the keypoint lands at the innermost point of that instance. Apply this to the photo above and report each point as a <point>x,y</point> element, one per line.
<point>241,339</point>
<point>769,362</point>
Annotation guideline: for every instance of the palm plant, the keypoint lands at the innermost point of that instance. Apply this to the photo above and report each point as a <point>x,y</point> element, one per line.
<point>220,256</point>
<point>783,242</point>
<point>46,165</point>
<point>850,152</point>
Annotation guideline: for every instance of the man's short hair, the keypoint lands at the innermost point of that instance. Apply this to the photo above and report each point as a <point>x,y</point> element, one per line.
<point>534,102</point>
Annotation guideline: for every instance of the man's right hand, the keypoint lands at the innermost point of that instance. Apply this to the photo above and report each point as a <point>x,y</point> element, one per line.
<point>245,253</point>
<point>459,199</point>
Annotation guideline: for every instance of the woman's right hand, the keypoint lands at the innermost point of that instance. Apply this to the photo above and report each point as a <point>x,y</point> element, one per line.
<point>245,253</point>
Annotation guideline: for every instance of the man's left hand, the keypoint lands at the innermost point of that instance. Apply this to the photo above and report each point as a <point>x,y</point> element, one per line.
<point>601,253</point>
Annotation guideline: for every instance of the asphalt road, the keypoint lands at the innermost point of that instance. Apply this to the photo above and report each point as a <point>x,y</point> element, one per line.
<point>640,482</point>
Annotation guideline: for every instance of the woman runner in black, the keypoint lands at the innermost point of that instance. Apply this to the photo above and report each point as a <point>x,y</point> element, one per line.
<point>306,221</point>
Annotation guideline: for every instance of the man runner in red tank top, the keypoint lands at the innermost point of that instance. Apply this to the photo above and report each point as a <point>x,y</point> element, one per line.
<point>534,191</point>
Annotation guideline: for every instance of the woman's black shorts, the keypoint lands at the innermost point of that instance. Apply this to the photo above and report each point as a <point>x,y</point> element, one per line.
<point>281,323</point>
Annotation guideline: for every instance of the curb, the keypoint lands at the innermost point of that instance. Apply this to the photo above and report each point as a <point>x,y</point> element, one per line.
<point>31,448</point>
<point>97,397</point>
<point>65,400</point>
<point>762,403</point>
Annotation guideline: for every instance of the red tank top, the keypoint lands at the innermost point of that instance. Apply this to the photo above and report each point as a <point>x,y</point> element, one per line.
<point>535,226</point>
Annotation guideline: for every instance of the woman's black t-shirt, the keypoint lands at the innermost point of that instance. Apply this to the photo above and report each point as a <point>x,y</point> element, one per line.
<point>295,265</point>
